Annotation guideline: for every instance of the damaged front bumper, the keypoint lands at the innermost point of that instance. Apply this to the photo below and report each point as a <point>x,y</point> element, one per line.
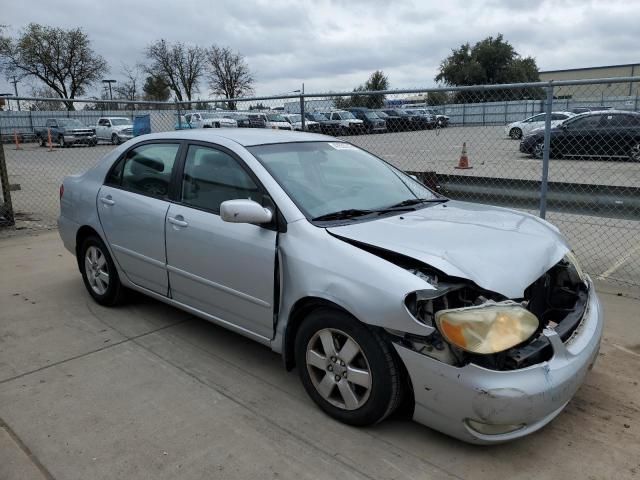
<point>485,406</point>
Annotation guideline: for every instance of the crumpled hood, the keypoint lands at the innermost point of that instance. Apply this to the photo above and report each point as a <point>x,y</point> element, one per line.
<point>501,250</point>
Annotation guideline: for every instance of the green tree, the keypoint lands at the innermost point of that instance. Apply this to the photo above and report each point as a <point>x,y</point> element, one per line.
<point>156,89</point>
<point>62,60</point>
<point>491,61</point>
<point>377,81</point>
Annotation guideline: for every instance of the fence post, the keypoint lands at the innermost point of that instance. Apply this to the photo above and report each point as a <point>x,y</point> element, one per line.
<point>302,112</point>
<point>545,156</point>
<point>463,112</point>
<point>179,116</point>
<point>6,208</point>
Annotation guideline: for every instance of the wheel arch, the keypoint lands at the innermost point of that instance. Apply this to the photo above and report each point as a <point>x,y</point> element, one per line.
<point>303,307</point>
<point>84,232</point>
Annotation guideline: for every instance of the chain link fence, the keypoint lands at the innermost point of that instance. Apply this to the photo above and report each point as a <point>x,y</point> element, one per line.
<point>567,151</point>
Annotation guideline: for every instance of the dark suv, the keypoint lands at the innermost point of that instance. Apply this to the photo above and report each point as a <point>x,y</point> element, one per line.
<point>612,133</point>
<point>373,123</point>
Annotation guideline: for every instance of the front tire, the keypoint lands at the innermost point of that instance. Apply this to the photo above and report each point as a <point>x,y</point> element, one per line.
<point>115,139</point>
<point>538,150</point>
<point>61,141</point>
<point>348,370</point>
<point>634,153</point>
<point>99,272</point>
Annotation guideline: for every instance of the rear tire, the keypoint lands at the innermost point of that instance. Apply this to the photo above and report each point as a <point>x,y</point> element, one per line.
<point>634,153</point>
<point>515,133</point>
<point>99,272</point>
<point>61,142</point>
<point>347,369</point>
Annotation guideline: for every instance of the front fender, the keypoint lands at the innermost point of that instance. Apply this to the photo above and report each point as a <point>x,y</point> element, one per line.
<point>314,263</point>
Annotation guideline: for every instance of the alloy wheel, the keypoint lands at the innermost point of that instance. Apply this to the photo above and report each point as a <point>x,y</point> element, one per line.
<point>634,154</point>
<point>338,368</point>
<point>97,270</point>
<point>538,150</point>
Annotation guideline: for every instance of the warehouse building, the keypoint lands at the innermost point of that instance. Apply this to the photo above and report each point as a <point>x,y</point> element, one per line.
<point>627,89</point>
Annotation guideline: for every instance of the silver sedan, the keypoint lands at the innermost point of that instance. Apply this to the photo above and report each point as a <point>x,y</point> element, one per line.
<point>476,320</point>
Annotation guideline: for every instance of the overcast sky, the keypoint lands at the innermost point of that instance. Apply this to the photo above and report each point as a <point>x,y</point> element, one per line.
<point>335,44</point>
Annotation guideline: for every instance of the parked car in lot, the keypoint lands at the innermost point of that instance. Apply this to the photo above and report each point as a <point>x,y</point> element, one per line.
<point>402,120</point>
<point>66,132</point>
<point>114,129</point>
<point>272,120</point>
<point>245,120</point>
<point>295,119</point>
<point>608,134</point>
<point>394,123</point>
<point>209,120</point>
<point>344,122</point>
<point>517,130</point>
<point>326,126</point>
<point>440,119</point>
<point>429,120</point>
<point>355,272</point>
<point>371,120</point>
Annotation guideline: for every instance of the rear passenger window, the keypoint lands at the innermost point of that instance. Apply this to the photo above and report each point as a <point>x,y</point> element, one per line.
<point>145,169</point>
<point>212,177</point>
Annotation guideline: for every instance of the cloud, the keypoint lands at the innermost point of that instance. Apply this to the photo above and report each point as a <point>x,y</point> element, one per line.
<point>333,45</point>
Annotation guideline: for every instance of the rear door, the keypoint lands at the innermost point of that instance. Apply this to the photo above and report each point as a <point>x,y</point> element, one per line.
<point>132,206</point>
<point>223,269</point>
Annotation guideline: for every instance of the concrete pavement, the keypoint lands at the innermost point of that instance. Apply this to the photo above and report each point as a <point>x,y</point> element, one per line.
<point>147,391</point>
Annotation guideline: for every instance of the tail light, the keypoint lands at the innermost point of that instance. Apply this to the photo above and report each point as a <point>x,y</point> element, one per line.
<point>61,191</point>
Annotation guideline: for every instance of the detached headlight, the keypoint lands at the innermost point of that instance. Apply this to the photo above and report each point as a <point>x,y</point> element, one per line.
<point>489,328</point>
<point>573,261</point>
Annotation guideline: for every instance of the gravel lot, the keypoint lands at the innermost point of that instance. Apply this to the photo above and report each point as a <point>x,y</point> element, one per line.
<point>608,248</point>
<point>145,391</point>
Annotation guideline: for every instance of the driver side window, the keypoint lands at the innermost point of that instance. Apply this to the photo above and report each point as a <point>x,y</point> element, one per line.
<point>212,176</point>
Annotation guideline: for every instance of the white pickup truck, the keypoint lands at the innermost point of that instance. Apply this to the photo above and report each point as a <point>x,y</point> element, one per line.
<point>114,129</point>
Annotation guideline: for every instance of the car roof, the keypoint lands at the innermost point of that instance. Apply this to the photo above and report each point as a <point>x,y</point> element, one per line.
<point>243,136</point>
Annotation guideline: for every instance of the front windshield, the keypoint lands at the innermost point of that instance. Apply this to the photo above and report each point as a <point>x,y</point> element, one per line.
<point>210,115</point>
<point>319,117</point>
<point>295,118</point>
<point>275,117</point>
<point>120,121</point>
<point>371,115</point>
<point>382,114</point>
<point>327,177</point>
<point>70,122</point>
<point>346,115</point>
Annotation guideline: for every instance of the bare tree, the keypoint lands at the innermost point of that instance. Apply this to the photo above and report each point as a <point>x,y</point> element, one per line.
<point>228,73</point>
<point>180,66</point>
<point>61,59</point>
<point>129,88</point>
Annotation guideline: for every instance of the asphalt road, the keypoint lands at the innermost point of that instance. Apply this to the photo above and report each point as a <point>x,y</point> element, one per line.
<point>145,391</point>
<point>607,247</point>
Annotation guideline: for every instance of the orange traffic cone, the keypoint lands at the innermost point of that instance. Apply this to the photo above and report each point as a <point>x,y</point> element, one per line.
<point>15,139</point>
<point>463,163</point>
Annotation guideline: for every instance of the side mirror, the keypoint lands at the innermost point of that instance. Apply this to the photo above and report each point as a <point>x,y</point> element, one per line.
<point>244,211</point>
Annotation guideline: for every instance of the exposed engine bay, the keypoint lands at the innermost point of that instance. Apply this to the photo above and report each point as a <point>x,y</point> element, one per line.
<point>558,299</point>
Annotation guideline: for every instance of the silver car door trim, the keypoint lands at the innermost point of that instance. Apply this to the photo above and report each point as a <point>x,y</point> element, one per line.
<point>207,316</point>
<point>137,255</point>
<point>209,283</point>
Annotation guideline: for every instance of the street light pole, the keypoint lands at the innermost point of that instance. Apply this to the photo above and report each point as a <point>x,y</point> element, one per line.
<point>15,89</point>
<point>109,82</point>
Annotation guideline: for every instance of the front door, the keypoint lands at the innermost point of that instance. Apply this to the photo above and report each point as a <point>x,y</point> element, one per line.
<point>225,270</point>
<point>132,206</point>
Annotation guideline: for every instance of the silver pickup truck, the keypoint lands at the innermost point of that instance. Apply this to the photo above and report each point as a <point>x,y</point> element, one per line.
<point>114,129</point>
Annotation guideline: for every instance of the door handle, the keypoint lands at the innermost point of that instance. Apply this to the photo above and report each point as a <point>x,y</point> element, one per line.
<point>178,221</point>
<point>107,200</point>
